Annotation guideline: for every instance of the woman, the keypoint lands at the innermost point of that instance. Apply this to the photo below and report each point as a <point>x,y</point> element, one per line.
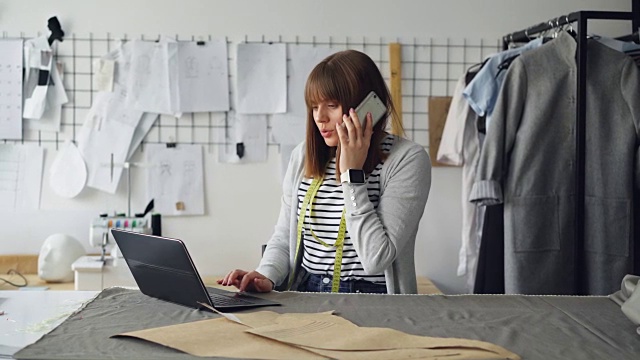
<point>352,197</point>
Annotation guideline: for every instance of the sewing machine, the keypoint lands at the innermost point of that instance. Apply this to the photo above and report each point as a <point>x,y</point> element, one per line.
<point>99,272</point>
<point>100,236</point>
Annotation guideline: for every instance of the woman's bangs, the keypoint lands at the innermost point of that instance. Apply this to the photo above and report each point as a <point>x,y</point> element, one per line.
<point>320,87</point>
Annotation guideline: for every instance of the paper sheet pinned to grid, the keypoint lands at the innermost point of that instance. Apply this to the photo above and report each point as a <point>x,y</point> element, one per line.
<point>20,176</point>
<point>152,80</point>
<point>170,77</point>
<point>262,78</point>
<point>11,89</point>
<point>203,76</point>
<point>268,335</point>
<point>175,179</point>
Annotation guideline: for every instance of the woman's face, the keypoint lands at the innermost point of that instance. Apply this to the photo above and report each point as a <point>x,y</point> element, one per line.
<point>326,114</point>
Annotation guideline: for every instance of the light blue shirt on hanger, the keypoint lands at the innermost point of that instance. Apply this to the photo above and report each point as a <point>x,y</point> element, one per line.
<point>482,91</point>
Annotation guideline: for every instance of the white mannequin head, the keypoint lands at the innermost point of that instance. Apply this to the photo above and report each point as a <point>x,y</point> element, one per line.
<point>57,254</point>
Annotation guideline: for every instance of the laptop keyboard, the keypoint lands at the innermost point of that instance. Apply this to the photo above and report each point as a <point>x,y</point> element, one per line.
<point>219,300</point>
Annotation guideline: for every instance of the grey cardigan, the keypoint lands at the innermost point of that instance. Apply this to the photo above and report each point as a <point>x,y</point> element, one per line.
<point>384,238</point>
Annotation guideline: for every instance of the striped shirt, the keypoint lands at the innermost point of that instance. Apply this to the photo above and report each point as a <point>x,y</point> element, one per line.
<point>325,222</point>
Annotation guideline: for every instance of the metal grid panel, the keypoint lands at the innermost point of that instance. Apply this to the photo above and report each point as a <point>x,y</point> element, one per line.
<point>430,67</point>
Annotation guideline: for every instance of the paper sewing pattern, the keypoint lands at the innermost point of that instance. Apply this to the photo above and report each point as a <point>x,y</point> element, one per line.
<point>20,176</point>
<point>262,78</point>
<point>175,179</point>
<point>68,173</point>
<point>113,129</point>
<point>145,124</point>
<point>104,139</point>
<point>11,89</point>
<point>310,336</point>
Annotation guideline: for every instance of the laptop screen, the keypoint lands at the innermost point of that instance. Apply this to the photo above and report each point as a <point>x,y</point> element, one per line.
<point>163,268</point>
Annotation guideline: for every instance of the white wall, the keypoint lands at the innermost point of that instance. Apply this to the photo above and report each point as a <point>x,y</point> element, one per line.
<point>242,202</point>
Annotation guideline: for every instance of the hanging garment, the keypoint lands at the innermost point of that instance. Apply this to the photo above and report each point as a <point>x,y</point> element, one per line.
<point>630,48</point>
<point>528,162</point>
<point>483,90</point>
<point>490,269</point>
<point>459,146</point>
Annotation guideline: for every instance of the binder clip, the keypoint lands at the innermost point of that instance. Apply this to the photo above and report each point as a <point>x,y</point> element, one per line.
<point>56,30</point>
<point>240,150</point>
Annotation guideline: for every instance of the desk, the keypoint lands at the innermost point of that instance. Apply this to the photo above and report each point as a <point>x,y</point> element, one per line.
<point>535,327</point>
<point>30,314</point>
<point>92,274</point>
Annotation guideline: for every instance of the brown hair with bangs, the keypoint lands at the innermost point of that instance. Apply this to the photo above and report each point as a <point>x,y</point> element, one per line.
<point>346,77</point>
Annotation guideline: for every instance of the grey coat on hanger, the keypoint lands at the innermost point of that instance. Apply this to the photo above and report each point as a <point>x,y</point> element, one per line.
<point>528,162</point>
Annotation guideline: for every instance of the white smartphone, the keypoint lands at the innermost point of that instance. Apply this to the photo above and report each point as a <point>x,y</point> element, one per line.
<point>371,104</point>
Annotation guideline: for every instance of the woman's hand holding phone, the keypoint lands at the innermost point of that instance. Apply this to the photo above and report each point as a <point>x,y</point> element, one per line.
<point>354,140</point>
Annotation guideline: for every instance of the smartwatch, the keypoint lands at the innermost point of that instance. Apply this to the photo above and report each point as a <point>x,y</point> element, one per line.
<point>353,176</point>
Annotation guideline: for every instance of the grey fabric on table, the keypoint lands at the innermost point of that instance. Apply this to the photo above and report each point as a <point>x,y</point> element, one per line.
<point>535,327</point>
<point>628,297</point>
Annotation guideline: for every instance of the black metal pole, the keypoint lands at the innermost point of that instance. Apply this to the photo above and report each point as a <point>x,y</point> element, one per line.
<point>635,9</point>
<point>580,134</point>
<point>527,34</point>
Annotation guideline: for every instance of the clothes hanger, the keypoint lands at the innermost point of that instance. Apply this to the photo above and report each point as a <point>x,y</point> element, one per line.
<point>547,35</point>
<point>557,28</point>
<point>569,29</point>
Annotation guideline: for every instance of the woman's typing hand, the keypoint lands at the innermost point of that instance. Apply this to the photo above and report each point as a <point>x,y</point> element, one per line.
<point>251,281</point>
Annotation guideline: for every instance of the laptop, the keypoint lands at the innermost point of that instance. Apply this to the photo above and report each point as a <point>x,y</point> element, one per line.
<point>163,269</point>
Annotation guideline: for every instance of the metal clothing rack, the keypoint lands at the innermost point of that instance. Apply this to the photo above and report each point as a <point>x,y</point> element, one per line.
<point>581,18</point>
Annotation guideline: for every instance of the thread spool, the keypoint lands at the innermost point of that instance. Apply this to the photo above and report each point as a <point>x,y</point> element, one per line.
<point>156,225</point>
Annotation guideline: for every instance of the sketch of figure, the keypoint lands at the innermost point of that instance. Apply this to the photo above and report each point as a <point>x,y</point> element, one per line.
<point>165,168</point>
<point>165,177</point>
<point>189,176</point>
<point>144,65</point>
<point>215,66</point>
<point>177,181</point>
<point>192,67</point>
<point>142,72</point>
<point>187,187</point>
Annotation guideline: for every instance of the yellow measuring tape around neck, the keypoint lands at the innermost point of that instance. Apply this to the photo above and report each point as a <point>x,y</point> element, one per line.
<point>339,244</point>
